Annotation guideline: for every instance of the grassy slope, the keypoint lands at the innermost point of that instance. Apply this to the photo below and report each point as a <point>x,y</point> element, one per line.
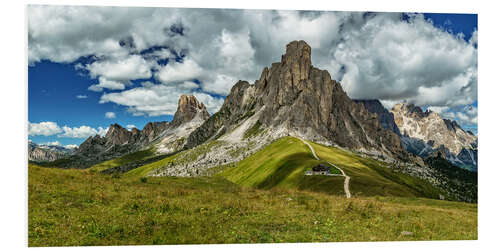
<point>136,156</point>
<point>282,164</point>
<point>184,156</point>
<point>74,207</point>
<point>369,177</point>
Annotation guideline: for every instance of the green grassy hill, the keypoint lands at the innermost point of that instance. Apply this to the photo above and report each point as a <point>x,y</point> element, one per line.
<point>126,159</point>
<point>70,207</point>
<point>283,163</point>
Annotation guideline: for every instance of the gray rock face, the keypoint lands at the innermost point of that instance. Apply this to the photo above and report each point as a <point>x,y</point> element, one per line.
<point>305,100</point>
<point>43,153</point>
<point>426,133</point>
<point>385,117</point>
<point>187,109</point>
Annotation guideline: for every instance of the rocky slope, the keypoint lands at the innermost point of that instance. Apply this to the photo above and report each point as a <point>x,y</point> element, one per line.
<point>426,133</point>
<point>166,137</point>
<point>43,153</point>
<point>296,98</point>
<point>385,117</point>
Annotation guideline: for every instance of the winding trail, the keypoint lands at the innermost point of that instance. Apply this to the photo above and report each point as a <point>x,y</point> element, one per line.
<point>347,178</point>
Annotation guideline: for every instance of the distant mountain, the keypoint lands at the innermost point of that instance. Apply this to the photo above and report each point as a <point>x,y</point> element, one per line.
<point>44,153</point>
<point>164,137</point>
<point>294,97</point>
<point>426,133</point>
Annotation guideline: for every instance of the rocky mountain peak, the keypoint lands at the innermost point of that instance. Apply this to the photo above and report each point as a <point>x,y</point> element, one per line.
<point>410,109</point>
<point>189,107</point>
<point>117,135</point>
<point>298,60</point>
<point>427,132</point>
<point>294,96</point>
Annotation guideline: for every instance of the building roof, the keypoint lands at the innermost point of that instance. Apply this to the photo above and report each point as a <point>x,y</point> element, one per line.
<point>320,167</point>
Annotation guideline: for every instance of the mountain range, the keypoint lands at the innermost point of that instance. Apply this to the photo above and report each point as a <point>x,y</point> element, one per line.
<point>43,153</point>
<point>291,98</point>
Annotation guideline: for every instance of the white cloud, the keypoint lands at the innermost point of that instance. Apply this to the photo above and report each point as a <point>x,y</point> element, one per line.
<point>82,132</point>
<point>176,72</point>
<point>54,143</point>
<point>43,128</point>
<point>157,99</point>
<point>71,146</point>
<point>465,115</point>
<point>108,84</point>
<point>110,115</point>
<point>81,96</point>
<point>130,126</point>
<point>123,69</point>
<point>390,59</point>
<point>374,55</point>
<point>438,109</point>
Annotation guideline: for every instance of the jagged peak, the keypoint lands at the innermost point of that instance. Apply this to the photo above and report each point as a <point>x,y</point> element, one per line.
<point>297,51</point>
<point>187,109</point>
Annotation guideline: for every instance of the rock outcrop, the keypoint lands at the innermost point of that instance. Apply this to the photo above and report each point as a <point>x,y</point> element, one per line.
<point>385,117</point>
<point>304,100</point>
<point>187,109</point>
<point>427,133</point>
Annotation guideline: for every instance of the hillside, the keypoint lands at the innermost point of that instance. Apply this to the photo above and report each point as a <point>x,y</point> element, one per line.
<point>284,162</point>
<point>75,207</point>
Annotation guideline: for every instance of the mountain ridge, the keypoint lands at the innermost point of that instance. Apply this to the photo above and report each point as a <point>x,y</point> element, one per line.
<point>294,96</point>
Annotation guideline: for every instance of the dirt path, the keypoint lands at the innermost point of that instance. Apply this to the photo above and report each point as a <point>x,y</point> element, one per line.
<point>347,178</point>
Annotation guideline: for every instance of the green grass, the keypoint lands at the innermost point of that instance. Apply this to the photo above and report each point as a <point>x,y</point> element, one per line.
<point>370,177</point>
<point>129,158</point>
<point>283,163</point>
<point>76,208</point>
<point>179,158</point>
<point>254,130</point>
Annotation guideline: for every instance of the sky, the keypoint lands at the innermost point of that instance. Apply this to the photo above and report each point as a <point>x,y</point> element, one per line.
<point>89,67</point>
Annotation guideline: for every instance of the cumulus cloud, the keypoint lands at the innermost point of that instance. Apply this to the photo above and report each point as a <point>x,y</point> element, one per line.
<point>375,55</point>
<point>106,84</point>
<point>54,143</point>
<point>43,128</point>
<point>177,72</point>
<point>71,146</point>
<point>49,128</point>
<point>390,59</point>
<point>130,126</point>
<point>82,131</point>
<point>157,99</point>
<point>110,115</point>
<point>123,69</point>
<point>465,115</point>
<point>81,96</point>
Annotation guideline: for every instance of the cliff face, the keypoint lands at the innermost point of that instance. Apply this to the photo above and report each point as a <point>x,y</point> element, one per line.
<point>426,133</point>
<point>304,100</point>
<point>385,118</point>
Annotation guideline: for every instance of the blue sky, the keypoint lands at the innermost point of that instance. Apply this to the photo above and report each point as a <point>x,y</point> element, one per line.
<point>77,75</point>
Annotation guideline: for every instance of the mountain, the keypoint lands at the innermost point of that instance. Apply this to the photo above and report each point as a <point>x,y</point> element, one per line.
<point>44,153</point>
<point>385,117</point>
<point>293,97</point>
<point>427,133</point>
<point>164,137</point>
